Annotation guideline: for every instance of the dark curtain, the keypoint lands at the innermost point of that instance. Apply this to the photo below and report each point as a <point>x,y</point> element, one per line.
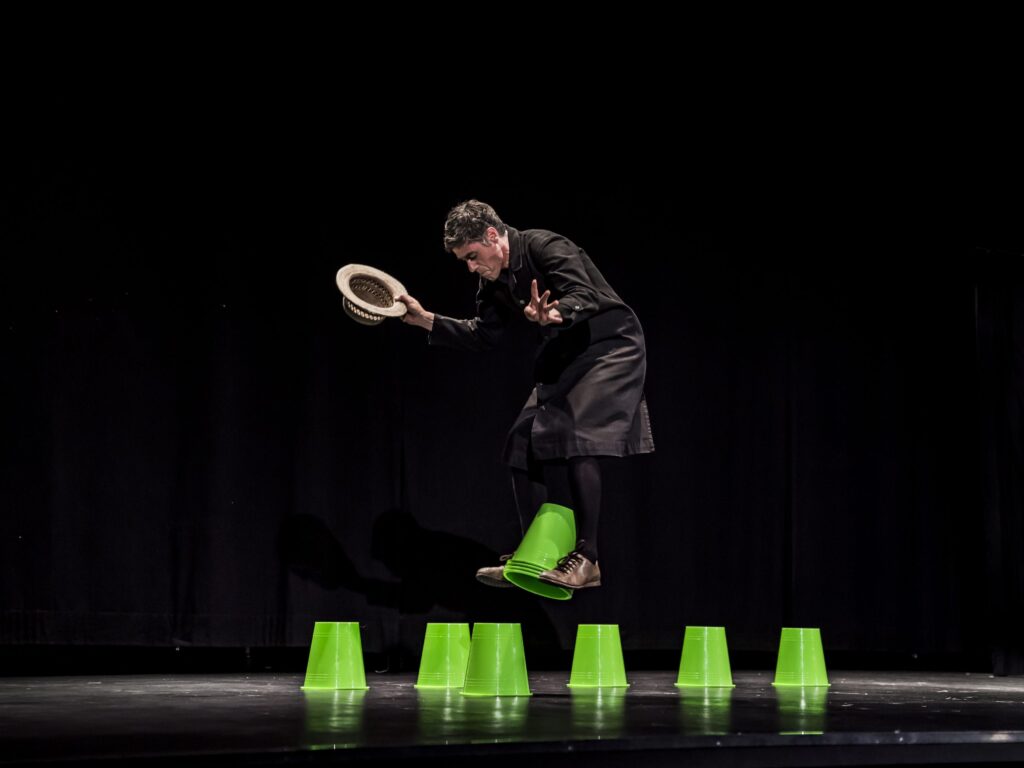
<point>199,447</point>
<point>1000,330</point>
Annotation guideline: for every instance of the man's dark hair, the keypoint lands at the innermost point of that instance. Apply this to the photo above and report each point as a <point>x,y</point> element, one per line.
<point>468,221</point>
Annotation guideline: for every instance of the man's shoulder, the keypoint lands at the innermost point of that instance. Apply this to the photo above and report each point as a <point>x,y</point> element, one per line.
<point>539,239</point>
<point>537,234</point>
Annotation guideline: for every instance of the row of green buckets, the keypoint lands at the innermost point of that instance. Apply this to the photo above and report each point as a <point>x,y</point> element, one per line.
<point>491,661</point>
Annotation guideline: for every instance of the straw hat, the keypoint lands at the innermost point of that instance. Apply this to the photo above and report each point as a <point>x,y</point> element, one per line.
<point>369,294</point>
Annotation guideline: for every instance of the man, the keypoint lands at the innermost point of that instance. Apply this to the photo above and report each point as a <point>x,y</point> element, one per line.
<point>588,401</point>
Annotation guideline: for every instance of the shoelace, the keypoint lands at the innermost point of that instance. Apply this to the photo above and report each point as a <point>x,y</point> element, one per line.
<point>570,563</point>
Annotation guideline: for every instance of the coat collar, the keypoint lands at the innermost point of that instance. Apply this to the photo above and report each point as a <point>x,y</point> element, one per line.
<point>515,250</point>
<point>515,258</point>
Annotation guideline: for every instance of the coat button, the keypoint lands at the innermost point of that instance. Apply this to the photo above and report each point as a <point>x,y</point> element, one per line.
<point>521,302</point>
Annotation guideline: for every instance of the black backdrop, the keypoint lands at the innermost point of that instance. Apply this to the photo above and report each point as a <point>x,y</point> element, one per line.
<point>201,449</point>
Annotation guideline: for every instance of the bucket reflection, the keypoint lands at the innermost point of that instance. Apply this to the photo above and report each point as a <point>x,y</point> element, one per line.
<point>441,714</point>
<point>598,712</point>
<point>333,719</point>
<point>802,710</point>
<point>495,718</point>
<point>706,711</point>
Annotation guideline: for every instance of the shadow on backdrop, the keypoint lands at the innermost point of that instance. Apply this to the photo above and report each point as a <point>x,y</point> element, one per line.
<point>435,570</point>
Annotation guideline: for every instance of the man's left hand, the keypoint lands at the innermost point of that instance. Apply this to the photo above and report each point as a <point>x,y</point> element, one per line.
<point>539,310</point>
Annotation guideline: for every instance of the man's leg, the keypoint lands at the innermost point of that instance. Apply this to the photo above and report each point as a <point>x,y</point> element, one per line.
<point>528,490</point>
<point>585,481</point>
<point>528,493</point>
<point>576,483</point>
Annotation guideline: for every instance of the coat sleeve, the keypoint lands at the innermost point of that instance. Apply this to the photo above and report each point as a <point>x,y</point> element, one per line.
<point>481,333</point>
<point>567,277</point>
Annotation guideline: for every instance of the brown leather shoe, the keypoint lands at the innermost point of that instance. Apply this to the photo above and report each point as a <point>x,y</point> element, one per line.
<point>574,571</point>
<point>494,575</point>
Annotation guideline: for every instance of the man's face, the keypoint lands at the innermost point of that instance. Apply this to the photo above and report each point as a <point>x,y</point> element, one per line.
<point>484,260</point>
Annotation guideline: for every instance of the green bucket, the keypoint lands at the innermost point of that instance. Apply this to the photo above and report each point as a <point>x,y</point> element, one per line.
<point>705,659</point>
<point>550,537</point>
<point>801,658</point>
<point>597,658</point>
<point>497,662</point>
<point>445,655</point>
<point>335,657</point>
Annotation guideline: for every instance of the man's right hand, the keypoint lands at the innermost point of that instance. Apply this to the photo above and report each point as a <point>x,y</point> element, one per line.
<point>416,314</point>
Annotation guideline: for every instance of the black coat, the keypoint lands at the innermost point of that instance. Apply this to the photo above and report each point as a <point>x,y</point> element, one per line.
<point>589,371</point>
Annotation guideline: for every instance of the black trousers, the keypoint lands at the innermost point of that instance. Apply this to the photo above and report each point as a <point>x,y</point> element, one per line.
<point>574,483</point>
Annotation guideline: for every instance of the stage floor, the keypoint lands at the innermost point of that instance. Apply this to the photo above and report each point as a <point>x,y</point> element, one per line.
<point>865,718</point>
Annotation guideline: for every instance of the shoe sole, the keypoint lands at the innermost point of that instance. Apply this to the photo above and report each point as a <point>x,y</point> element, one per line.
<point>491,583</point>
<point>596,583</point>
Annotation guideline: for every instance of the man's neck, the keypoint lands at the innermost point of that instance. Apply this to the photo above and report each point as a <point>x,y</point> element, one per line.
<point>503,242</point>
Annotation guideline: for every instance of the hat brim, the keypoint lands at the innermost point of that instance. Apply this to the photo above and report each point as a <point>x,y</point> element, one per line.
<point>370,293</point>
